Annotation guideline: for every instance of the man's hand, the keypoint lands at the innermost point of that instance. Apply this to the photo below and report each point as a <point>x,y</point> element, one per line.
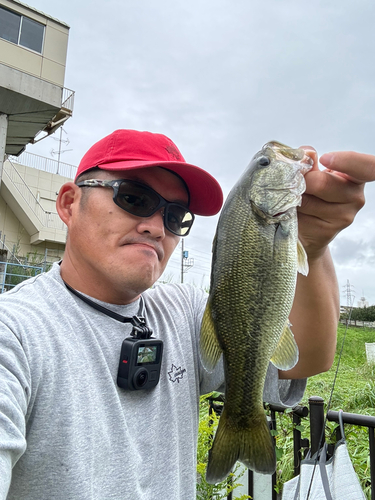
<point>332,197</point>
<point>331,201</point>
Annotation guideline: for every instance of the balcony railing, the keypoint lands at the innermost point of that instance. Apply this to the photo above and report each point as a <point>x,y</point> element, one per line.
<point>45,164</point>
<point>68,99</point>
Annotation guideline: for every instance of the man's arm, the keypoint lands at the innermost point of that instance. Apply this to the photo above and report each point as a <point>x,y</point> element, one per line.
<point>14,398</point>
<point>331,201</point>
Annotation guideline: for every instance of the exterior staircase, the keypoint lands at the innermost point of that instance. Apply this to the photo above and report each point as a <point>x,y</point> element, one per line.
<point>39,224</point>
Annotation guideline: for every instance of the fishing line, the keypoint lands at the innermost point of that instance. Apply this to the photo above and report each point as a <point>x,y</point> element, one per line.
<point>329,402</point>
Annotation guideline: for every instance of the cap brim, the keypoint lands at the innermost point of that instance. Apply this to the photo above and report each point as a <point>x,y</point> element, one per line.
<point>206,196</point>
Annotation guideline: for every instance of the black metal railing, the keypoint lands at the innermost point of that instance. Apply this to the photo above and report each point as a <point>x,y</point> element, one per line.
<point>315,412</point>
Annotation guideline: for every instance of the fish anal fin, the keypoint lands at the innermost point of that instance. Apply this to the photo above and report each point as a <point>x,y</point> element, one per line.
<point>286,352</point>
<point>210,350</point>
<point>302,262</point>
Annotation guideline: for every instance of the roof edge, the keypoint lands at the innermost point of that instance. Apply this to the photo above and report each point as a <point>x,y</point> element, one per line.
<point>39,12</point>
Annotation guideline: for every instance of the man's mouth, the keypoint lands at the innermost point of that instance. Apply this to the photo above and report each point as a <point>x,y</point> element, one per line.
<point>147,246</point>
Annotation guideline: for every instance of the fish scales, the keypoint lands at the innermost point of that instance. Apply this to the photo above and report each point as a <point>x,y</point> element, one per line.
<point>253,278</point>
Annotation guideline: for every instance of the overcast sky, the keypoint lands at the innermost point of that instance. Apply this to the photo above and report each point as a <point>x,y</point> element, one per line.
<point>221,78</point>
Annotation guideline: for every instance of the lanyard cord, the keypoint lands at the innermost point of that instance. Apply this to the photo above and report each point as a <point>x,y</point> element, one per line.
<point>140,330</point>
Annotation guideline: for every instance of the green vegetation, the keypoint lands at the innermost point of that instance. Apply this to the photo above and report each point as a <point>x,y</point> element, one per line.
<point>354,393</point>
<point>361,314</point>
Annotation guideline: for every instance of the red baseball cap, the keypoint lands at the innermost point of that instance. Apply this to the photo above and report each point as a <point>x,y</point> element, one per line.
<point>131,149</point>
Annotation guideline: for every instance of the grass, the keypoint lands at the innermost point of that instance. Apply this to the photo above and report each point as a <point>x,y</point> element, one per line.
<point>354,392</point>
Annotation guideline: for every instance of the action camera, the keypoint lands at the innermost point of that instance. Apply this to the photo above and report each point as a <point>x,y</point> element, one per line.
<point>140,362</point>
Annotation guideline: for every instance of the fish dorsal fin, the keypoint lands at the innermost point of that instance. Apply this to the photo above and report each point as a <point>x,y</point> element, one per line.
<point>303,265</point>
<point>286,352</point>
<point>210,350</point>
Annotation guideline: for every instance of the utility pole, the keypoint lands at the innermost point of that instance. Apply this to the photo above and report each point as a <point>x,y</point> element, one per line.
<point>186,263</point>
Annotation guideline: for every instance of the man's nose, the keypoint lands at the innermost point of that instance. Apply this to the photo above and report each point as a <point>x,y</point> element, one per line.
<point>154,225</point>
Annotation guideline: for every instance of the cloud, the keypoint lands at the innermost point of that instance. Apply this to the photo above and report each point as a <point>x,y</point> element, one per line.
<point>221,78</point>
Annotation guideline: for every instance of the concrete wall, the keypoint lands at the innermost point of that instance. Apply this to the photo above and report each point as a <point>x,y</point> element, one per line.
<point>45,187</point>
<point>50,65</point>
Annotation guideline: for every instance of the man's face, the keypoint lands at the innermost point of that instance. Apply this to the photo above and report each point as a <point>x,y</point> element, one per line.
<point>116,255</point>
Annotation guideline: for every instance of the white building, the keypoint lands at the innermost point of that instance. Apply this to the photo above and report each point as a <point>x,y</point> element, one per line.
<point>363,302</point>
<point>28,218</point>
<point>33,104</point>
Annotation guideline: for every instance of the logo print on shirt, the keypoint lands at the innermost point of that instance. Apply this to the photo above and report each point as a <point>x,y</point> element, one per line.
<point>176,373</point>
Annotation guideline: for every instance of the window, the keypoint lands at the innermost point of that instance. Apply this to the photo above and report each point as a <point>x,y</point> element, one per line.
<point>9,25</point>
<point>21,30</point>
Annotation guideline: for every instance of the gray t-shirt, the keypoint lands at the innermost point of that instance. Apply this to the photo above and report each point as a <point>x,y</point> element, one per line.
<point>67,431</point>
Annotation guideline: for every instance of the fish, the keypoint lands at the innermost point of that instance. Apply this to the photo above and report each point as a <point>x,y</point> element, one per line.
<point>255,261</point>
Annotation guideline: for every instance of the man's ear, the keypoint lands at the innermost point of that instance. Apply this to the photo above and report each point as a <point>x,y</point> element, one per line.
<point>68,195</point>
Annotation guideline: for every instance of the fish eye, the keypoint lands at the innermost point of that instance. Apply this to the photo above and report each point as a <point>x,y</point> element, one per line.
<point>264,161</point>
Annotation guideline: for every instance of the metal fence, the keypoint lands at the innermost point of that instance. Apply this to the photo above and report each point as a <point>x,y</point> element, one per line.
<point>12,274</point>
<point>315,412</point>
<point>68,99</point>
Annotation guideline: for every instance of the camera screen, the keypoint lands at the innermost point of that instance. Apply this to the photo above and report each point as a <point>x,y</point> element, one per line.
<point>147,354</point>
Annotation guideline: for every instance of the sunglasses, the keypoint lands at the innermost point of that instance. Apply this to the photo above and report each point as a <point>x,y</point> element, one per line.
<point>142,201</point>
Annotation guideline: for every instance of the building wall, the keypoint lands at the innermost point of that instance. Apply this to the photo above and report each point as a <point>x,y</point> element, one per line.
<point>44,186</point>
<point>50,65</point>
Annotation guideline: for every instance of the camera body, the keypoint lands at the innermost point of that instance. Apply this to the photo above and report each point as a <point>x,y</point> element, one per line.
<point>140,362</point>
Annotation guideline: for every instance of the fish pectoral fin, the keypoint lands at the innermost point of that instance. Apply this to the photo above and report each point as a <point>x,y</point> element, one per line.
<point>302,262</point>
<point>210,350</point>
<point>286,352</point>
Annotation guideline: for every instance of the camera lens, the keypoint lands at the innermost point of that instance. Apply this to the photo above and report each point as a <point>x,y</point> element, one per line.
<point>140,378</point>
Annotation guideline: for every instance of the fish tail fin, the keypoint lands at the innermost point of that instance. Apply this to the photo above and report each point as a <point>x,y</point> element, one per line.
<point>253,446</point>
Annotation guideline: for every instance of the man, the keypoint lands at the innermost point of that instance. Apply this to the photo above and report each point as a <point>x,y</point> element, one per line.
<point>67,430</point>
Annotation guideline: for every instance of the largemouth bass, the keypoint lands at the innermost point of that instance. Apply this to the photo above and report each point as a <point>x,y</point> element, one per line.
<point>256,257</point>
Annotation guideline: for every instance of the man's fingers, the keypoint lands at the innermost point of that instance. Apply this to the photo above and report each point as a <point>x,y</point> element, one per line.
<point>331,187</point>
<point>334,215</point>
<point>359,167</point>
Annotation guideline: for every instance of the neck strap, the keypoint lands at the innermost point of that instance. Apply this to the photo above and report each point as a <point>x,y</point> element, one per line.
<point>140,330</point>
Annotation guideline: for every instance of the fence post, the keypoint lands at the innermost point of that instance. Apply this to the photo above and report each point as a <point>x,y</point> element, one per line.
<point>298,442</point>
<point>3,275</point>
<point>273,424</point>
<point>372,454</point>
<point>317,436</point>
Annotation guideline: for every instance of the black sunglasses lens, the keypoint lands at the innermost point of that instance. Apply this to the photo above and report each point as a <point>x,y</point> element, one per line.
<point>141,201</point>
<point>178,220</point>
<point>137,200</point>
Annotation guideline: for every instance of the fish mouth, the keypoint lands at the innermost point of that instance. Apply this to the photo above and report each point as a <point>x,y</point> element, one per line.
<point>282,152</point>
